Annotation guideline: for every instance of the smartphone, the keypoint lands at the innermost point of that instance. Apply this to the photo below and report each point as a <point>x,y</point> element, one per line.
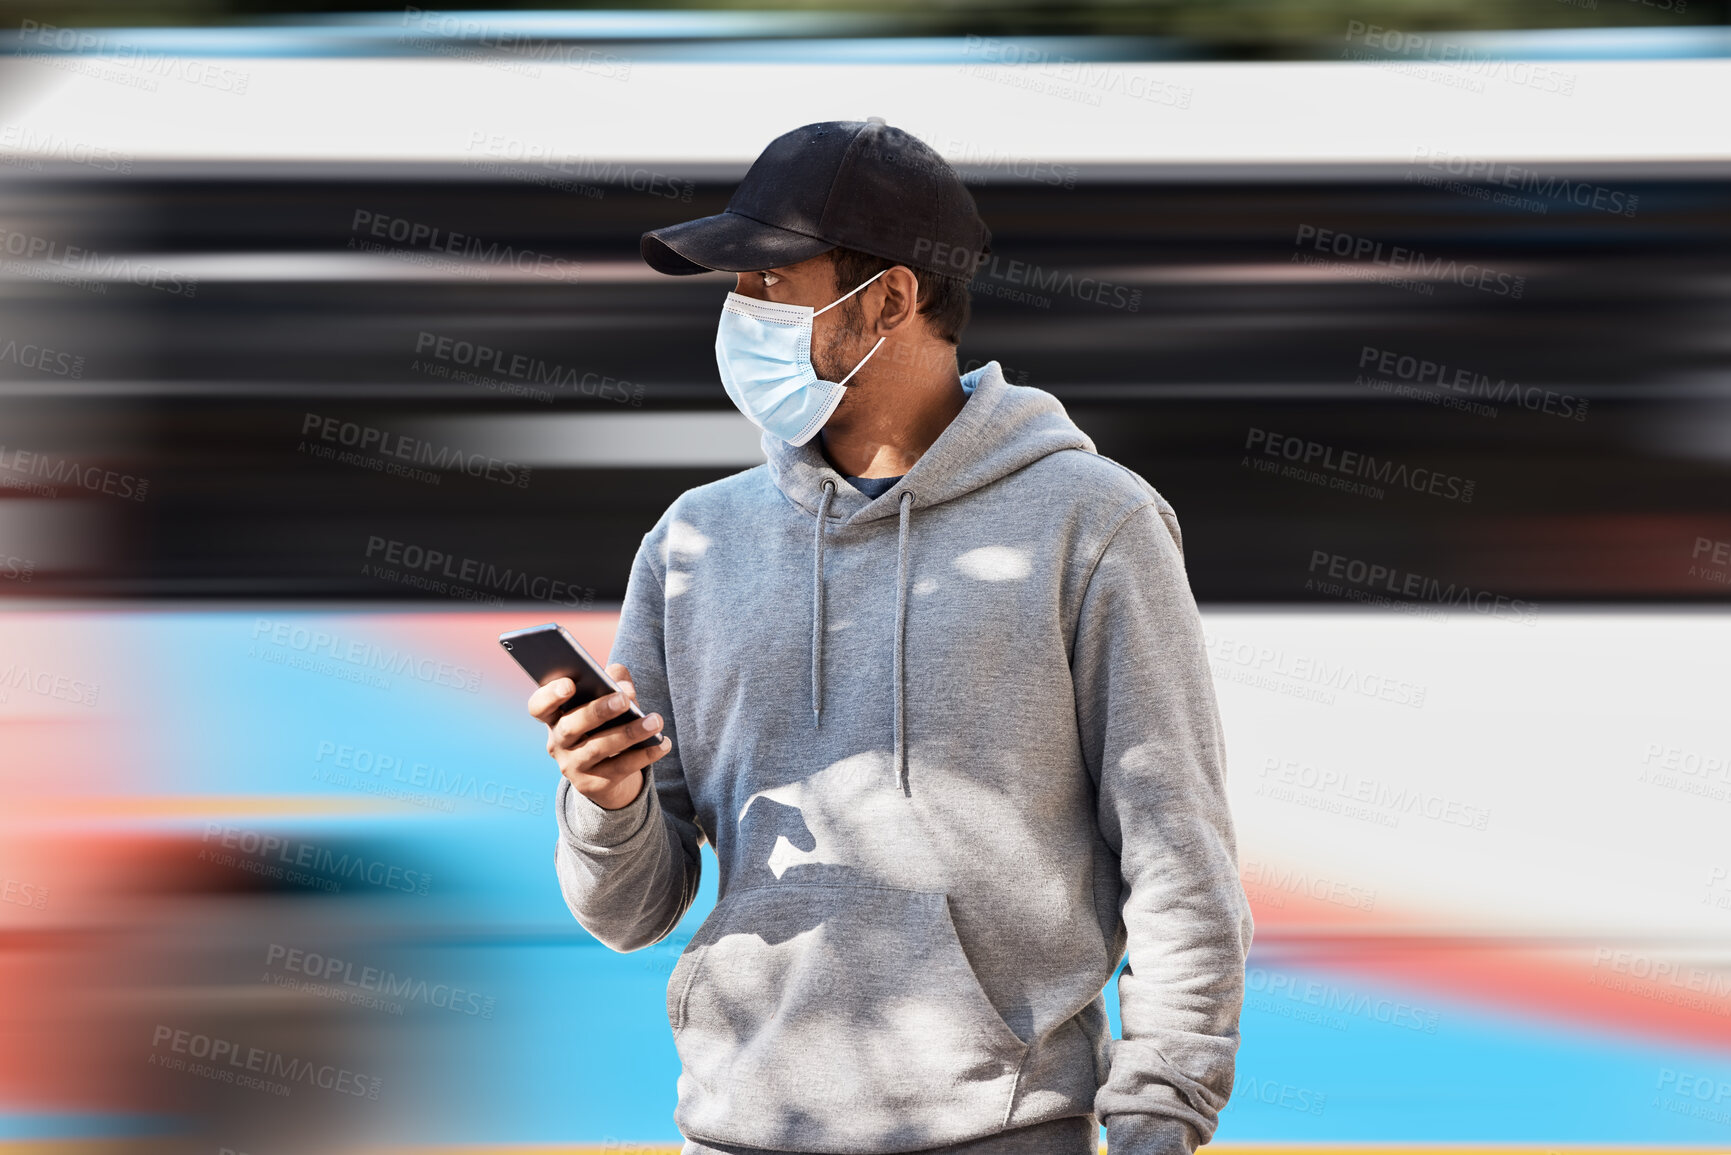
<point>548,653</point>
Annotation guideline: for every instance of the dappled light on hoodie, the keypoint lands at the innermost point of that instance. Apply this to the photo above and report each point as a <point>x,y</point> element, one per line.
<point>995,563</point>
<point>686,540</point>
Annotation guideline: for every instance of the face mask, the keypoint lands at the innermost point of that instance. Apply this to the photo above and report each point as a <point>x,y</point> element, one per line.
<point>764,352</point>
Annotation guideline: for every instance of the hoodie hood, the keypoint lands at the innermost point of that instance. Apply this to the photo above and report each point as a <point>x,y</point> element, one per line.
<point>1001,429</point>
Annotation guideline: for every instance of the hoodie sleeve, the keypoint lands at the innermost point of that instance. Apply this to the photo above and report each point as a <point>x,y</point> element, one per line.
<point>629,875</point>
<point>1152,741</point>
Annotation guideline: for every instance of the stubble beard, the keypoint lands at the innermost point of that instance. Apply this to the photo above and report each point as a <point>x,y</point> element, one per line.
<point>836,360</point>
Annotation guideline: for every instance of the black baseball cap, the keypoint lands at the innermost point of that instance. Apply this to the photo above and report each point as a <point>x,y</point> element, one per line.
<point>841,183</point>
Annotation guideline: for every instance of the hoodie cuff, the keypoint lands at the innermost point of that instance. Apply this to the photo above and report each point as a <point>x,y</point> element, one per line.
<point>1149,1135</point>
<point>596,830</point>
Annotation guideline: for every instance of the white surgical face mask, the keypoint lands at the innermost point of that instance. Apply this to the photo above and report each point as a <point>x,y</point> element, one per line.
<point>763,350</point>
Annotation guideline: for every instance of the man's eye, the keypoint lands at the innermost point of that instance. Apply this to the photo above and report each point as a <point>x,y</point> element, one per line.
<point>770,279</point>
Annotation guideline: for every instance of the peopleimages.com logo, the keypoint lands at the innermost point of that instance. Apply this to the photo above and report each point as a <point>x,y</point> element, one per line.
<point>1353,464</point>
<point>545,164</point>
<point>421,238</point>
<point>229,1061</point>
<point>1408,375</point>
<point>328,970</point>
<point>470,573</point>
<point>45,144</point>
<point>42,359</point>
<point>1399,258</point>
<point>1551,186</point>
<point>999,276</point>
<point>84,266</point>
<point>85,51</point>
<point>48,684</point>
<point>321,651</point>
<point>371,444</point>
<point>1465,66</point>
<point>1417,588</point>
<point>266,853</point>
<point>521,369</point>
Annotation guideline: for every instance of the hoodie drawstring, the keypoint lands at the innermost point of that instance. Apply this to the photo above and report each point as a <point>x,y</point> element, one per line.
<point>904,523</point>
<point>901,631</point>
<point>817,605</point>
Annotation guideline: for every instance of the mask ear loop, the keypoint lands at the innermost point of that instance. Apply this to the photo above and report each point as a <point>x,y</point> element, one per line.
<point>862,362</point>
<point>853,290</point>
<point>844,297</point>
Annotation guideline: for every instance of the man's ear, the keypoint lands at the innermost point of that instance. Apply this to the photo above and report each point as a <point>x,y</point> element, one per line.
<point>901,301</point>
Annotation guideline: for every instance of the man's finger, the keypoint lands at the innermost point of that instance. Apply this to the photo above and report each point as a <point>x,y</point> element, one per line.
<point>618,672</point>
<point>545,702</point>
<point>569,730</point>
<point>601,745</point>
<point>616,767</point>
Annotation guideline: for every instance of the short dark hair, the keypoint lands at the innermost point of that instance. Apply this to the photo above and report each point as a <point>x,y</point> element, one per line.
<point>943,301</point>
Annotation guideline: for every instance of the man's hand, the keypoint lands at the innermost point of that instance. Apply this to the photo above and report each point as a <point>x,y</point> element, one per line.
<point>597,764</point>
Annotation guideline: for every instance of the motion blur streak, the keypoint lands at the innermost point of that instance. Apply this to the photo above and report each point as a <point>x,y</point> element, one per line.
<point>326,836</point>
<point>327,360</point>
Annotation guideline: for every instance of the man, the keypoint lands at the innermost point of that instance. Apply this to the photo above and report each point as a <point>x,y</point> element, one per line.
<point>931,683</point>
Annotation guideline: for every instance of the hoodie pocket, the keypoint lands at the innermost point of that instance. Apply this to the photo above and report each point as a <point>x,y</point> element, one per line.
<point>837,1019</point>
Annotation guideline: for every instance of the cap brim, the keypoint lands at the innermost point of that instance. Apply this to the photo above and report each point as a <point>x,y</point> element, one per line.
<point>726,242</point>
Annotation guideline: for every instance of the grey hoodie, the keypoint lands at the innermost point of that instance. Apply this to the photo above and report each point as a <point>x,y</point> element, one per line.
<point>956,748</point>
